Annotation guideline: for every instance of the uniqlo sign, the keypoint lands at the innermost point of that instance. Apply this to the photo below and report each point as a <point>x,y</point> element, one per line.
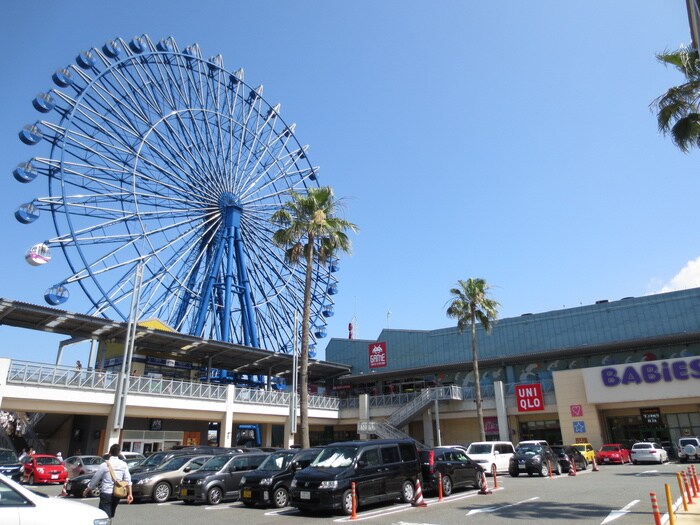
<point>529,397</point>
<point>377,355</point>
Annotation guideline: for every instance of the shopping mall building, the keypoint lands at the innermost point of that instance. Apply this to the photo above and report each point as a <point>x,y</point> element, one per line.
<point>609,372</point>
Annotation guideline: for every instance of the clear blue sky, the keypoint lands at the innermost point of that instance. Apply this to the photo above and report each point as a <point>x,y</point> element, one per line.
<point>506,140</point>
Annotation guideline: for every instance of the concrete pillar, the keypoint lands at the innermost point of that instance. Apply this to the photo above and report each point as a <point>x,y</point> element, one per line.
<point>501,411</point>
<point>288,436</point>
<point>428,435</point>
<point>112,435</point>
<point>363,412</point>
<point>266,438</point>
<point>226,436</point>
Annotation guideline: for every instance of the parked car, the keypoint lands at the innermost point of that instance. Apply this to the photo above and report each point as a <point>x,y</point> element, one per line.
<point>155,460</point>
<point>10,465</point>
<point>568,455</point>
<point>77,485</point>
<point>44,468</point>
<point>586,449</point>
<point>269,484</point>
<point>490,454</point>
<point>162,484</point>
<point>20,506</point>
<point>648,452</point>
<point>382,469</point>
<point>670,449</point>
<point>688,449</point>
<point>534,442</point>
<point>219,479</point>
<point>613,453</point>
<point>533,459</point>
<point>79,465</point>
<point>454,466</point>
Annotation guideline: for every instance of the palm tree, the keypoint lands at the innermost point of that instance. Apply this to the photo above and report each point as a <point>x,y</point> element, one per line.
<point>310,233</point>
<point>470,303</point>
<point>678,110</point>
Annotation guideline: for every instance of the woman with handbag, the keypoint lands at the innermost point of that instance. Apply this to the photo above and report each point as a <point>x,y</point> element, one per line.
<point>115,478</point>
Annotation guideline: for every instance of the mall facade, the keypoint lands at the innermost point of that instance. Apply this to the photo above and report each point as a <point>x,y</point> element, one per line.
<point>614,371</point>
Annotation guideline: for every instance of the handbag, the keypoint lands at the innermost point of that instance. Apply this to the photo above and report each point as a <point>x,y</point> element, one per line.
<point>120,487</point>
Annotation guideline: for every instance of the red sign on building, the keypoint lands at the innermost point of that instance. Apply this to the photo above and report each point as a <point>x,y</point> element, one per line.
<point>529,397</point>
<point>377,355</point>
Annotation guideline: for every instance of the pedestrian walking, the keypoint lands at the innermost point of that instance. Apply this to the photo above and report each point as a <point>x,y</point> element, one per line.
<point>106,476</point>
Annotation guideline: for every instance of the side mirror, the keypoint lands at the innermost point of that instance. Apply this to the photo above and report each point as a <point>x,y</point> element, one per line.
<point>187,469</point>
<point>361,463</point>
<point>496,452</point>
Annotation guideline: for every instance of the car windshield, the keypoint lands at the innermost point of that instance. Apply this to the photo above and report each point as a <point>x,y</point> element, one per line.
<point>48,461</point>
<point>278,461</point>
<point>610,448</point>
<point>8,456</point>
<point>154,459</point>
<point>216,463</point>
<point>175,463</point>
<point>335,457</point>
<point>479,449</point>
<point>529,450</point>
<point>582,448</point>
<point>94,460</point>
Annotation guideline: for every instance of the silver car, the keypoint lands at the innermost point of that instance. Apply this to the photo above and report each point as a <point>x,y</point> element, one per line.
<point>648,452</point>
<point>79,465</point>
<point>163,483</point>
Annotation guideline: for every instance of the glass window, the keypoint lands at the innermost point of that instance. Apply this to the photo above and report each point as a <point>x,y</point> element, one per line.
<point>371,457</point>
<point>390,454</point>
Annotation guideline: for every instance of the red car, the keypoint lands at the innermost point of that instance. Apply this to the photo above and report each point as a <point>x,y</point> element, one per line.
<point>44,468</point>
<point>613,453</point>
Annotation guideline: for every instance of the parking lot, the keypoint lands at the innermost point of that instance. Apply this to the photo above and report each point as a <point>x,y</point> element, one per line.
<point>616,494</point>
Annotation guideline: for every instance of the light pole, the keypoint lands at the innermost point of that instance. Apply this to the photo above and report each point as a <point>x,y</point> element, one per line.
<point>295,371</point>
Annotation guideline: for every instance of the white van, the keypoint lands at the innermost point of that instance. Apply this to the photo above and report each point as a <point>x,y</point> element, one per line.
<point>490,453</point>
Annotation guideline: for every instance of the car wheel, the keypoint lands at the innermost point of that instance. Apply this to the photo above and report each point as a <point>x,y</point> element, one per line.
<point>408,491</point>
<point>347,503</point>
<point>480,482</point>
<point>446,485</point>
<point>161,492</point>
<point>215,495</point>
<point>585,464</point>
<point>558,471</point>
<point>30,480</point>
<point>280,498</point>
<point>635,461</point>
<point>513,473</point>
<point>544,470</point>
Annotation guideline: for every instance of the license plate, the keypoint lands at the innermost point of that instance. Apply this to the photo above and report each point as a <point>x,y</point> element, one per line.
<point>606,460</point>
<point>183,493</point>
<point>247,494</point>
<point>305,494</point>
<point>522,467</point>
<point>54,476</point>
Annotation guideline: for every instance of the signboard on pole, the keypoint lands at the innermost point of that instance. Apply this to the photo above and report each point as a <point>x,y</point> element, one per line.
<point>529,397</point>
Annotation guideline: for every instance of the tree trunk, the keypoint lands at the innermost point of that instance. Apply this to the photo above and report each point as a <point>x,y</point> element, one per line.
<point>477,379</point>
<point>304,364</point>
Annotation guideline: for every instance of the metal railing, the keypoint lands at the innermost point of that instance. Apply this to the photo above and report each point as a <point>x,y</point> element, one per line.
<point>174,388</point>
<point>25,373</point>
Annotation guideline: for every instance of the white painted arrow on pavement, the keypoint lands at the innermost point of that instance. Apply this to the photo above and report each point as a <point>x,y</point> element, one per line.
<point>617,513</point>
<point>495,509</point>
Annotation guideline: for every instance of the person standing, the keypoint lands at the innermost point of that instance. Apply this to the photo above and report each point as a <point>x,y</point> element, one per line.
<point>108,502</point>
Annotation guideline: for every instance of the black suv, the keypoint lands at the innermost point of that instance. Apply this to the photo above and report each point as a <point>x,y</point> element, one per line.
<point>382,469</point>
<point>9,464</point>
<point>269,484</point>
<point>219,478</point>
<point>533,459</point>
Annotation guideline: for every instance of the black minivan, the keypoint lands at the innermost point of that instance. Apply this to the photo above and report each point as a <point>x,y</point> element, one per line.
<point>382,469</point>
<point>269,484</point>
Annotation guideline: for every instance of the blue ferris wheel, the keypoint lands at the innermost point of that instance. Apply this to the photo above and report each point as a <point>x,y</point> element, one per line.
<point>165,161</point>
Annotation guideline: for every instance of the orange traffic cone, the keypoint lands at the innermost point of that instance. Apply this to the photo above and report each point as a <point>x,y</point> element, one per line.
<point>484,484</point>
<point>572,467</point>
<point>418,498</point>
<point>595,465</point>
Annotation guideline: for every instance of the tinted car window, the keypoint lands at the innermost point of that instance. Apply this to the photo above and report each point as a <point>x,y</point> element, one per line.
<point>390,455</point>
<point>408,452</point>
<point>371,457</point>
